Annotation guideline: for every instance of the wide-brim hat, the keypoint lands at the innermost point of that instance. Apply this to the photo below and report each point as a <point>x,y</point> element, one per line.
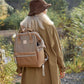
<point>37,6</point>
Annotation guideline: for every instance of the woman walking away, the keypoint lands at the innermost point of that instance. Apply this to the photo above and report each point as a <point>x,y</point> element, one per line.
<point>38,20</point>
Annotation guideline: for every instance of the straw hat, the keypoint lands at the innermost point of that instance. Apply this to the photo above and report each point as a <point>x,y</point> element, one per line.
<point>37,6</point>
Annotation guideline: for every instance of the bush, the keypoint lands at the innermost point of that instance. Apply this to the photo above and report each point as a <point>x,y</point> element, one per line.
<point>13,21</point>
<point>58,5</point>
<point>77,65</point>
<point>74,32</point>
<point>7,71</point>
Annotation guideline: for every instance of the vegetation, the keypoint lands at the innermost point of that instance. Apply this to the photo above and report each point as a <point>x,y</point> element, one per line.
<point>74,40</point>
<point>5,9</point>
<point>13,21</point>
<point>58,5</point>
<point>7,71</point>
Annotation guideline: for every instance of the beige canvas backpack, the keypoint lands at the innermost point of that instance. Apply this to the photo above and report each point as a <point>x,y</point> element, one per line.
<point>29,50</point>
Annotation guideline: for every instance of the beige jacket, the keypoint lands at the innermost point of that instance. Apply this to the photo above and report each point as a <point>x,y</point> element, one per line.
<point>52,66</point>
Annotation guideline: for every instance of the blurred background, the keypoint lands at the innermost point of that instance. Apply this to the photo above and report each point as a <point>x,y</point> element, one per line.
<point>68,17</point>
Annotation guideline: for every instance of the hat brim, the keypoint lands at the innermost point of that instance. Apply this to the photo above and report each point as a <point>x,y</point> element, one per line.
<point>46,6</point>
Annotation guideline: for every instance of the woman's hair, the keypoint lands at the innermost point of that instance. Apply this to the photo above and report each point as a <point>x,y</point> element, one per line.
<point>35,21</point>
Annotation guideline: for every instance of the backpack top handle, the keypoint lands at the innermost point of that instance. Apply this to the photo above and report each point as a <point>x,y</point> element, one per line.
<point>22,29</point>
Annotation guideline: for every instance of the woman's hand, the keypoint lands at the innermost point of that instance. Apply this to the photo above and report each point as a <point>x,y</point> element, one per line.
<point>62,74</point>
<point>20,74</point>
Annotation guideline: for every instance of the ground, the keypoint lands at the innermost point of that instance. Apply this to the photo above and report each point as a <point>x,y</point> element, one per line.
<point>72,78</point>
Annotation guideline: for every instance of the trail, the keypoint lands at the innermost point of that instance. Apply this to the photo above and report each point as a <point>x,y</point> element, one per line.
<point>72,78</point>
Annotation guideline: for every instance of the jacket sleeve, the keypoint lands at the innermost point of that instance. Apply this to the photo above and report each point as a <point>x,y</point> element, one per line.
<point>58,50</point>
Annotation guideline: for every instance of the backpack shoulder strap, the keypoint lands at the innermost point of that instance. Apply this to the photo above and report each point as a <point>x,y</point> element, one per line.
<point>38,36</point>
<point>22,29</point>
<point>39,39</point>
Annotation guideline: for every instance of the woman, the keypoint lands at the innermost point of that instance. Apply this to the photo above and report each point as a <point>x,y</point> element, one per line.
<point>38,20</point>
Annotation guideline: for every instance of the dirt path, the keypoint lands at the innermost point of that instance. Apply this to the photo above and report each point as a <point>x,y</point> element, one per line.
<point>73,78</point>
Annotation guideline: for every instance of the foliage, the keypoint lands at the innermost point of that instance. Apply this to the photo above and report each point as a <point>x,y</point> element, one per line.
<point>4,12</point>
<point>5,9</point>
<point>73,42</point>
<point>13,21</point>
<point>77,65</point>
<point>78,27</point>
<point>19,4</point>
<point>26,5</point>
<point>73,3</point>
<point>58,5</point>
<point>7,71</point>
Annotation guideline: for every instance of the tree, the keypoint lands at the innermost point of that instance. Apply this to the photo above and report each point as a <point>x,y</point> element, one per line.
<point>58,4</point>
